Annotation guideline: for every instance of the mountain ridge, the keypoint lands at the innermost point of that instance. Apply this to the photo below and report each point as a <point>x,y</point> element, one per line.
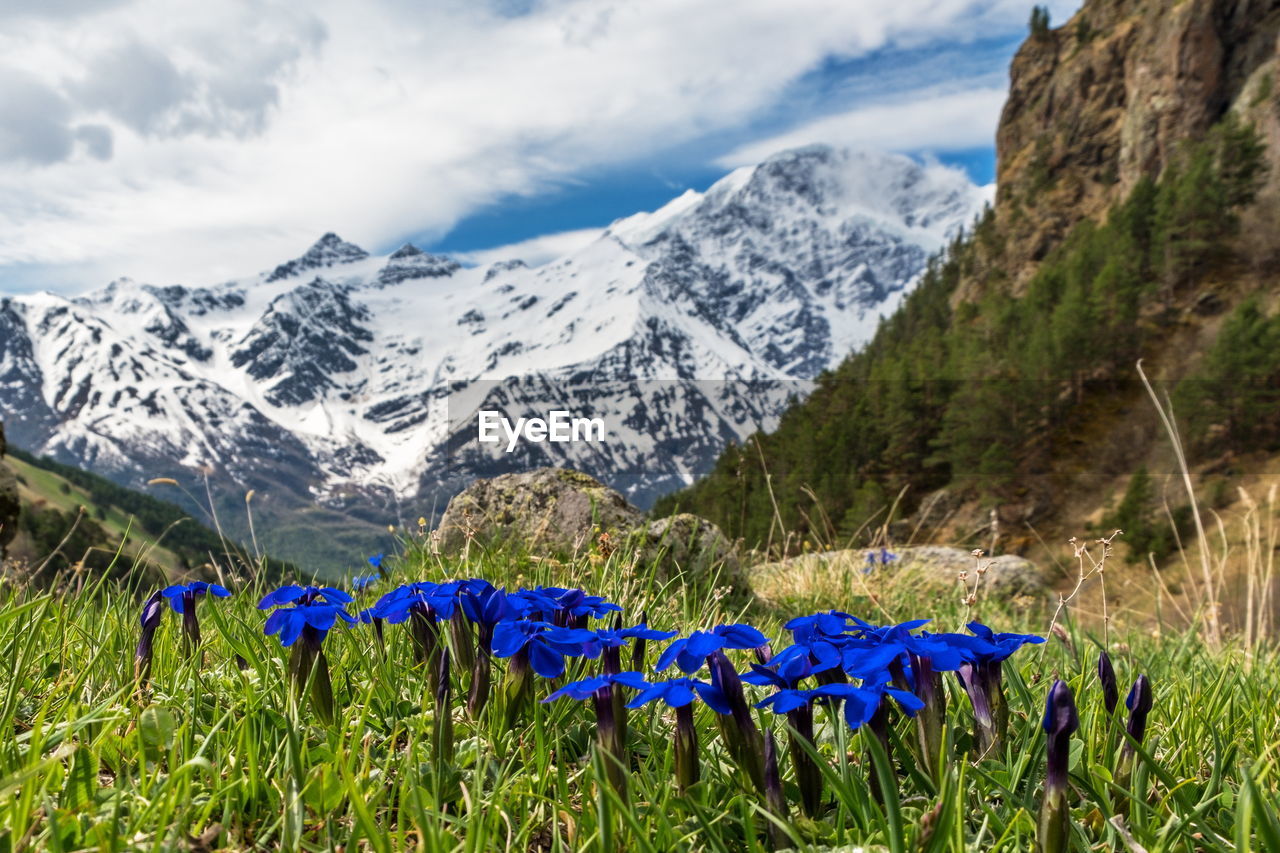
<point>345,379</point>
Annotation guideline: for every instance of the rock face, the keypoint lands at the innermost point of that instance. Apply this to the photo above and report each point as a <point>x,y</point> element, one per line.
<point>551,510</point>
<point>1105,99</point>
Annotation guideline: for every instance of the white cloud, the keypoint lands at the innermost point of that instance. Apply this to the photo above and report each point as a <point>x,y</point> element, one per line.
<point>914,122</point>
<point>534,251</point>
<point>275,121</point>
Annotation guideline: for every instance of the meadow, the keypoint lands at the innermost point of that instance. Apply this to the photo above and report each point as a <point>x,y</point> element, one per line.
<point>370,736</point>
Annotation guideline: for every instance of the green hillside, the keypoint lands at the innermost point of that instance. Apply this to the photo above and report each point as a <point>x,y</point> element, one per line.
<point>992,388</point>
<point>105,526</point>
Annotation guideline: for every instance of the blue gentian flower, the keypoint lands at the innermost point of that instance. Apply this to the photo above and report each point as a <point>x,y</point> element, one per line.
<point>862,703</point>
<point>1005,643</point>
<point>178,594</point>
<point>291,622</point>
<point>793,664</point>
<point>182,598</point>
<point>361,582</point>
<point>1107,678</point>
<point>422,597</point>
<point>1139,702</point>
<point>788,699</point>
<point>594,642</point>
<point>982,676</point>
<point>314,611</point>
<point>538,641</point>
<point>679,692</point>
<point>376,561</point>
<point>294,594</point>
<point>690,653</point>
<point>738,729</point>
<point>485,606</point>
<point>538,604</point>
<point>831,626</point>
<point>586,688</point>
<point>578,604</point>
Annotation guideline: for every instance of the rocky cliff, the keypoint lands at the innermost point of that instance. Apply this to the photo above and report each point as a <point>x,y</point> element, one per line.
<point>1110,96</point>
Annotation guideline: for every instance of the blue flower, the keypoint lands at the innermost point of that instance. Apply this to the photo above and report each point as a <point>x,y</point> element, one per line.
<point>483,604</point>
<point>883,556</point>
<point>539,603</point>
<point>594,642</point>
<point>364,581</point>
<point>679,692</point>
<point>578,604</point>
<point>861,703</point>
<point>293,594</point>
<point>422,596</point>
<point>546,655</point>
<point>152,611</point>
<point>376,561</point>
<point>178,592</point>
<point>1005,644</point>
<point>789,699</point>
<point>832,626</point>
<point>794,663</point>
<point>290,622</point>
<point>690,653</point>
<point>588,687</point>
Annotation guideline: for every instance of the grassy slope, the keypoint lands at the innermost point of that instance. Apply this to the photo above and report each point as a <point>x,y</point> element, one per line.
<point>226,758</point>
<point>39,487</point>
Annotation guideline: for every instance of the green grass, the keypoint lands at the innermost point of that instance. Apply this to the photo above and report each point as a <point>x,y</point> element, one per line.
<point>224,758</point>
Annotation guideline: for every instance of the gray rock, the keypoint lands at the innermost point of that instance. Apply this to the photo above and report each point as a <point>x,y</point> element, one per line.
<point>551,510</point>
<point>1007,574</point>
<point>686,544</point>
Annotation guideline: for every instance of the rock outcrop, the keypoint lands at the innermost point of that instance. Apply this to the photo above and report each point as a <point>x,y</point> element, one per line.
<point>552,510</point>
<point>1107,98</point>
<point>561,512</point>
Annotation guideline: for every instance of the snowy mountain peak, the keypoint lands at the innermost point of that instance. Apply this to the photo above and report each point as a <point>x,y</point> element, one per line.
<point>353,381</point>
<point>410,262</point>
<point>328,251</point>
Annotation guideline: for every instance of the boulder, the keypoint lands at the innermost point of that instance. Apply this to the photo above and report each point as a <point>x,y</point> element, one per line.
<point>1007,575</point>
<point>560,512</point>
<point>688,544</point>
<point>548,510</point>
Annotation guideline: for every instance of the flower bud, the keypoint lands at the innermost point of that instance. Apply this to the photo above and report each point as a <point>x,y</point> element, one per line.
<point>1107,678</point>
<point>1060,722</point>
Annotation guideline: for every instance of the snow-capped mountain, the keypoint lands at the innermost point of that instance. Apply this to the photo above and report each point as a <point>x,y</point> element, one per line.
<point>353,381</point>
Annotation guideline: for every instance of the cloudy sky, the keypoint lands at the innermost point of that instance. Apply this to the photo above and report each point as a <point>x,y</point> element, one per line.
<point>197,141</point>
